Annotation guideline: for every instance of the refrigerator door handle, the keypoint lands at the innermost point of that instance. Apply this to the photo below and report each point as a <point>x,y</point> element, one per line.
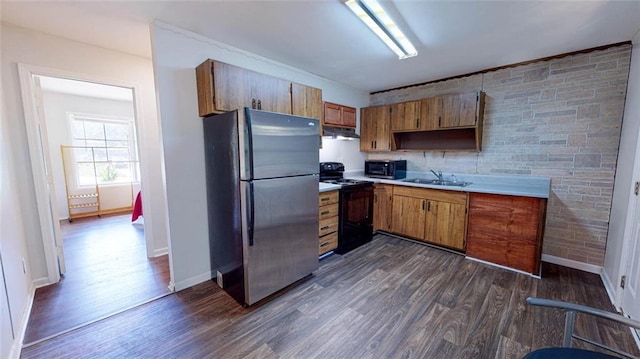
<point>249,145</point>
<point>250,220</point>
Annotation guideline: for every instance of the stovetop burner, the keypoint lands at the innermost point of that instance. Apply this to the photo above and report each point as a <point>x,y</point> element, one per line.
<point>344,181</point>
<point>332,173</point>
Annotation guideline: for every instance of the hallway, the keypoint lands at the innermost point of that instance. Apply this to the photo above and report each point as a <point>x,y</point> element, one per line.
<point>107,272</point>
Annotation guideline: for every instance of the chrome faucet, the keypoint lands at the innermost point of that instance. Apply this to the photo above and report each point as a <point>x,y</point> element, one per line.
<point>439,175</point>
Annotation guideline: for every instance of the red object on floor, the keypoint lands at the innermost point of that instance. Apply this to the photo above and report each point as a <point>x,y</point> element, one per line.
<point>137,207</point>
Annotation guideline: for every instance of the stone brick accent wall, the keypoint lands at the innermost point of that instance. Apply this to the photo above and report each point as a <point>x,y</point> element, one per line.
<point>559,118</point>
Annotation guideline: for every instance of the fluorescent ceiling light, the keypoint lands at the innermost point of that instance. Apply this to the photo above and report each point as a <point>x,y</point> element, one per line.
<point>372,14</point>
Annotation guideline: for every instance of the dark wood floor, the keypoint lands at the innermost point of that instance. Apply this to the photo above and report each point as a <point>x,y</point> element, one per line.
<point>389,299</point>
<point>107,271</point>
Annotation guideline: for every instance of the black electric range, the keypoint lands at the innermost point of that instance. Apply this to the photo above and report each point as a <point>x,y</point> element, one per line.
<point>355,223</point>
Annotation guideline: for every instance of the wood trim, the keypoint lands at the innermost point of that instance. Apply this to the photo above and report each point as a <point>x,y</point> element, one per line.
<point>559,56</point>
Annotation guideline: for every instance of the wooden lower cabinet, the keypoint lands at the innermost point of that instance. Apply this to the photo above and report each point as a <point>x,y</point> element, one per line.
<point>328,221</point>
<point>434,216</point>
<point>382,206</point>
<point>507,230</point>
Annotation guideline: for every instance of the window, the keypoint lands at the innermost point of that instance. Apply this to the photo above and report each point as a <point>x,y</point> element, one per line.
<point>104,150</point>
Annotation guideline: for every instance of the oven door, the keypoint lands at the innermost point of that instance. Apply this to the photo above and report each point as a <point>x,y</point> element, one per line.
<point>356,217</point>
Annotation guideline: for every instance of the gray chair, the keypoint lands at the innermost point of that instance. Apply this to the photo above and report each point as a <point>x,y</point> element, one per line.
<point>566,351</point>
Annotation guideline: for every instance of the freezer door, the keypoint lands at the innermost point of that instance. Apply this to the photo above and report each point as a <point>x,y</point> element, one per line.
<point>280,235</point>
<point>277,145</point>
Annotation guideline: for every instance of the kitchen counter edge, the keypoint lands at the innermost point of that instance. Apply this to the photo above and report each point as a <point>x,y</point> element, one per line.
<point>326,187</point>
<point>537,187</point>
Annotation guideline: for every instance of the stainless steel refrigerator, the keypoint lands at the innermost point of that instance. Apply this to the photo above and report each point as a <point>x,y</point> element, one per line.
<point>262,199</point>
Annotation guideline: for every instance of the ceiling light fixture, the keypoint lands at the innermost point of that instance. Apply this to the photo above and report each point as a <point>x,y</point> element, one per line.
<point>374,16</point>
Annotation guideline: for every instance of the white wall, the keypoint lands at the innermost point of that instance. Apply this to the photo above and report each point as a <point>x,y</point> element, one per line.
<point>56,107</point>
<point>176,53</point>
<point>345,151</point>
<point>13,247</point>
<point>627,173</point>
<point>29,47</point>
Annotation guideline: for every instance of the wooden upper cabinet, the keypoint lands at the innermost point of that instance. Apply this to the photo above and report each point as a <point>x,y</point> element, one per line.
<point>270,93</point>
<point>332,114</point>
<point>223,87</point>
<point>306,101</point>
<point>430,109</point>
<point>339,115</point>
<point>348,116</point>
<point>374,129</point>
<point>406,116</point>
<point>459,110</point>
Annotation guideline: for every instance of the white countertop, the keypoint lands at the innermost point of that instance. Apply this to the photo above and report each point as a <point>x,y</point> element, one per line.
<point>326,187</point>
<point>525,186</point>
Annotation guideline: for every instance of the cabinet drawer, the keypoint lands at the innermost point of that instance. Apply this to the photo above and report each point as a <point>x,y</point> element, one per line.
<point>328,225</point>
<point>328,242</point>
<point>330,210</point>
<point>328,198</point>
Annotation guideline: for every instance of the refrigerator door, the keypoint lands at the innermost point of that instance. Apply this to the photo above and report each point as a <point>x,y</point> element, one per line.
<point>276,145</point>
<point>280,233</point>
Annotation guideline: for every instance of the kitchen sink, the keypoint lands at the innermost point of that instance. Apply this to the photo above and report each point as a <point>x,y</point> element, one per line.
<point>436,182</point>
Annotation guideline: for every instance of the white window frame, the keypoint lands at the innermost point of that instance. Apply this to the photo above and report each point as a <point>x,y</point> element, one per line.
<point>132,141</point>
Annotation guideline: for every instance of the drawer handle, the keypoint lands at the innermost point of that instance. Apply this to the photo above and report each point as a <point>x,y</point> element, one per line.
<point>325,212</point>
<point>325,227</point>
<point>325,199</point>
<point>324,244</point>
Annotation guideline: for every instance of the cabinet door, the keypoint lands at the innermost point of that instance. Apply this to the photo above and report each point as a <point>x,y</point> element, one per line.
<point>271,94</point>
<point>405,116</point>
<point>445,224</point>
<point>506,230</point>
<point>232,87</point>
<point>382,205</point>
<point>374,129</point>
<point>368,129</point>
<point>348,116</point>
<point>430,113</point>
<point>459,110</point>
<point>408,216</point>
<point>306,101</point>
<point>332,114</point>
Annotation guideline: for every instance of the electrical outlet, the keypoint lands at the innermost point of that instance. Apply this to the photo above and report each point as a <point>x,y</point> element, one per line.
<point>24,266</point>
<point>219,279</point>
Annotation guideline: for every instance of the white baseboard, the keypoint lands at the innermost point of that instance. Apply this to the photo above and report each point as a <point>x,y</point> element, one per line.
<point>40,282</point>
<point>591,268</point>
<point>190,282</point>
<point>21,328</point>
<point>501,266</point>
<point>161,251</point>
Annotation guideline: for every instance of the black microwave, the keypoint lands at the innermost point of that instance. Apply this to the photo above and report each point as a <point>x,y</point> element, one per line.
<point>387,169</point>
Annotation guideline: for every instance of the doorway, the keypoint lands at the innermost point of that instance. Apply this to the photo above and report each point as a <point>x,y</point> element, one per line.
<point>630,263</point>
<point>87,137</point>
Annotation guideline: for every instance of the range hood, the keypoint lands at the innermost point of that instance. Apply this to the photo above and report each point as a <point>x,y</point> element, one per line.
<point>334,132</point>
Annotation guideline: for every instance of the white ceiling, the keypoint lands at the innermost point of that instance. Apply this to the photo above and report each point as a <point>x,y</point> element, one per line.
<point>83,88</point>
<point>323,37</point>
